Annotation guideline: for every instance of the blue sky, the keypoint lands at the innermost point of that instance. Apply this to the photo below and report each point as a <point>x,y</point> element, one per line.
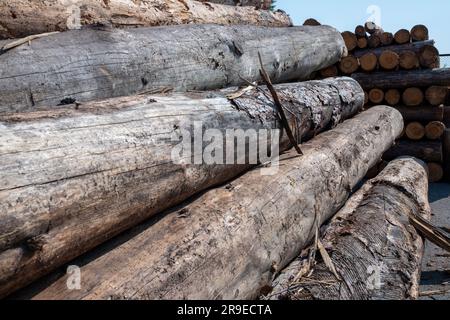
<point>395,14</point>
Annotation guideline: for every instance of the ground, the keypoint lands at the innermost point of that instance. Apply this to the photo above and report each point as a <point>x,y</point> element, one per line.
<point>436,263</point>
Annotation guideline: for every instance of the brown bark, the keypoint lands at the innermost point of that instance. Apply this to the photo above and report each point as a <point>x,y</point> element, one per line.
<point>404,79</point>
<point>368,62</point>
<point>419,33</point>
<point>393,97</point>
<point>428,151</point>
<point>402,36</point>
<point>118,155</point>
<point>413,97</point>
<point>19,18</point>
<point>409,60</point>
<point>420,113</point>
<point>349,65</point>
<point>436,172</point>
<point>416,47</point>
<point>415,131</point>
<point>376,96</point>
<point>436,95</point>
<point>389,60</point>
<point>93,64</point>
<point>351,42</point>
<point>374,248</point>
<point>434,130</point>
<point>196,252</point>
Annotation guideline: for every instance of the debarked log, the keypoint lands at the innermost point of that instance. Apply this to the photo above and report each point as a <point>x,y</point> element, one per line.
<point>230,242</point>
<point>73,178</point>
<point>20,18</point>
<point>92,64</point>
<point>373,247</point>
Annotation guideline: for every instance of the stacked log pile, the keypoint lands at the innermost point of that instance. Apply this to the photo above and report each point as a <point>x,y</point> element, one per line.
<point>129,138</point>
<point>402,70</point>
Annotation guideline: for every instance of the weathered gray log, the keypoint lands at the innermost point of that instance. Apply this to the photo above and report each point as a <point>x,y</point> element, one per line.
<point>93,64</point>
<point>230,242</point>
<point>260,4</point>
<point>372,244</point>
<point>399,49</point>
<point>429,151</point>
<point>74,177</point>
<point>404,79</point>
<point>20,18</point>
<point>421,113</point>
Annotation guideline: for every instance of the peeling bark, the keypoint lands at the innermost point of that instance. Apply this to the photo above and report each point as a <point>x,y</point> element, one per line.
<point>95,64</point>
<point>374,248</point>
<point>230,242</point>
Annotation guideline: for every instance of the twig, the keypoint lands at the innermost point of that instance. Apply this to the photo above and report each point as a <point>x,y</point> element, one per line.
<point>430,232</point>
<point>276,99</point>
<point>22,41</point>
<point>434,293</point>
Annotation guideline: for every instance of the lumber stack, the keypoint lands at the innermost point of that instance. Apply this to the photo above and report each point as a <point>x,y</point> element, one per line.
<point>189,157</point>
<point>402,70</point>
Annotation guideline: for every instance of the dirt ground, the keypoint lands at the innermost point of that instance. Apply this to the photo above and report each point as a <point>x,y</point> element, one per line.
<point>436,264</point>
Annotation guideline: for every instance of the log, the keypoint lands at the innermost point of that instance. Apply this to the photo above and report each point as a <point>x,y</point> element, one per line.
<point>368,62</point>
<point>374,41</point>
<point>375,250</point>
<point>92,64</point>
<point>415,131</point>
<point>392,97</point>
<point>413,97</point>
<point>419,33</point>
<point>420,113</point>
<point>362,43</point>
<point>311,22</point>
<point>118,155</point>
<point>409,60</point>
<point>434,130</point>
<point>402,36</point>
<point>360,32</point>
<point>446,147</point>
<point>436,172</point>
<point>329,72</point>
<point>404,79</point>
<point>20,18</point>
<point>429,151</point>
<point>376,96</point>
<point>387,38</point>
<point>349,65</point>
<point>193,254</point>
<point>447,114</point>
<point>436,95</point>
<point>259,4</point>
<point>429,57</point>
<point>389,60</point>
<point>351,42</point>
<point>416,47</point>
<point>372,28</point>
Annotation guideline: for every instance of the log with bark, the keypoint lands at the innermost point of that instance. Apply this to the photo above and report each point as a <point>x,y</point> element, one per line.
<point>421,113</point>
<point>350,39</point>
<point>436,172</point>
<point>413,97</point>
<point>349,65</point>
<point>429,151</point>
<point>20,18</point>
<point>74,177</point>
<point>415,131</point>
<point>434,130</point>
<point>402,36</point>
<point>416,47</point>
<point>84,65</point>
<point>230,242</point>
<point>419,33</point>
<point>368,62</point>
<point>389,60</point>
<point>436,95</point>
<point>376,96</point>
<point>446,143</point>
<point>372,246</point>
<point>404,79</point>
<point>392,97</point>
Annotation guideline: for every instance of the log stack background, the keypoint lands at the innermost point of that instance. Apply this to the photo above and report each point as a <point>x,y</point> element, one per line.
<point>396,69</point>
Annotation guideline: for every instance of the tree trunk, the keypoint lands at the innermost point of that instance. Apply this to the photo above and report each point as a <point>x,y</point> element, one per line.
<point>404,79</point>
<point>436,172</point>
<point>415,47</point>
<point>368,62</point>
<point>421,113</point>
<point>376,96</point>
<point>392,97</point>
<point>434,130</point>
<point>419,33</point>
<point>436,95</point>
<point>429,151</point>
<point>73,178</point>
<point>389,60</point>
<point>402,36</point>
<point>229,243</point>
<point>415,131</point>
<point>372,244</point>
<point>350,39</point>
<point>20,18</point>
<point>349,65</point>
<point>260,4</point>
<point>413,97</point>
<point>95,64</point>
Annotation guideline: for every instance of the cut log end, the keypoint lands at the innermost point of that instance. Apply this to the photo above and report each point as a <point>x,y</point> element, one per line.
<point>350,39</point>
<point>409,60</point>
<point>311,22</point>
<point>429,57</point>
<point>386,38</point>
<point>419,33</point>
<point>436,172</point>
<point>436,95</point>
<point>389,60</point>
<point>360,32</point>
<point>368,62</point>
<point>415,131</point>
<point>393,97</point>
<point>349,65</point>
<point>362,43</point>
<point>435,130</point>
<point>329,72</point>
<point>413,97</point>
<point>376,96</point>
<point>402,36</point>
<point>374,41</point>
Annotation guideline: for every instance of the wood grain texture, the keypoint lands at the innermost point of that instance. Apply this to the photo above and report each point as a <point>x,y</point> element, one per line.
<point>72,178</point>
<point>85,65</point>
<point>20,18</point>
<point>230,242</point>
<point>375,249</point>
